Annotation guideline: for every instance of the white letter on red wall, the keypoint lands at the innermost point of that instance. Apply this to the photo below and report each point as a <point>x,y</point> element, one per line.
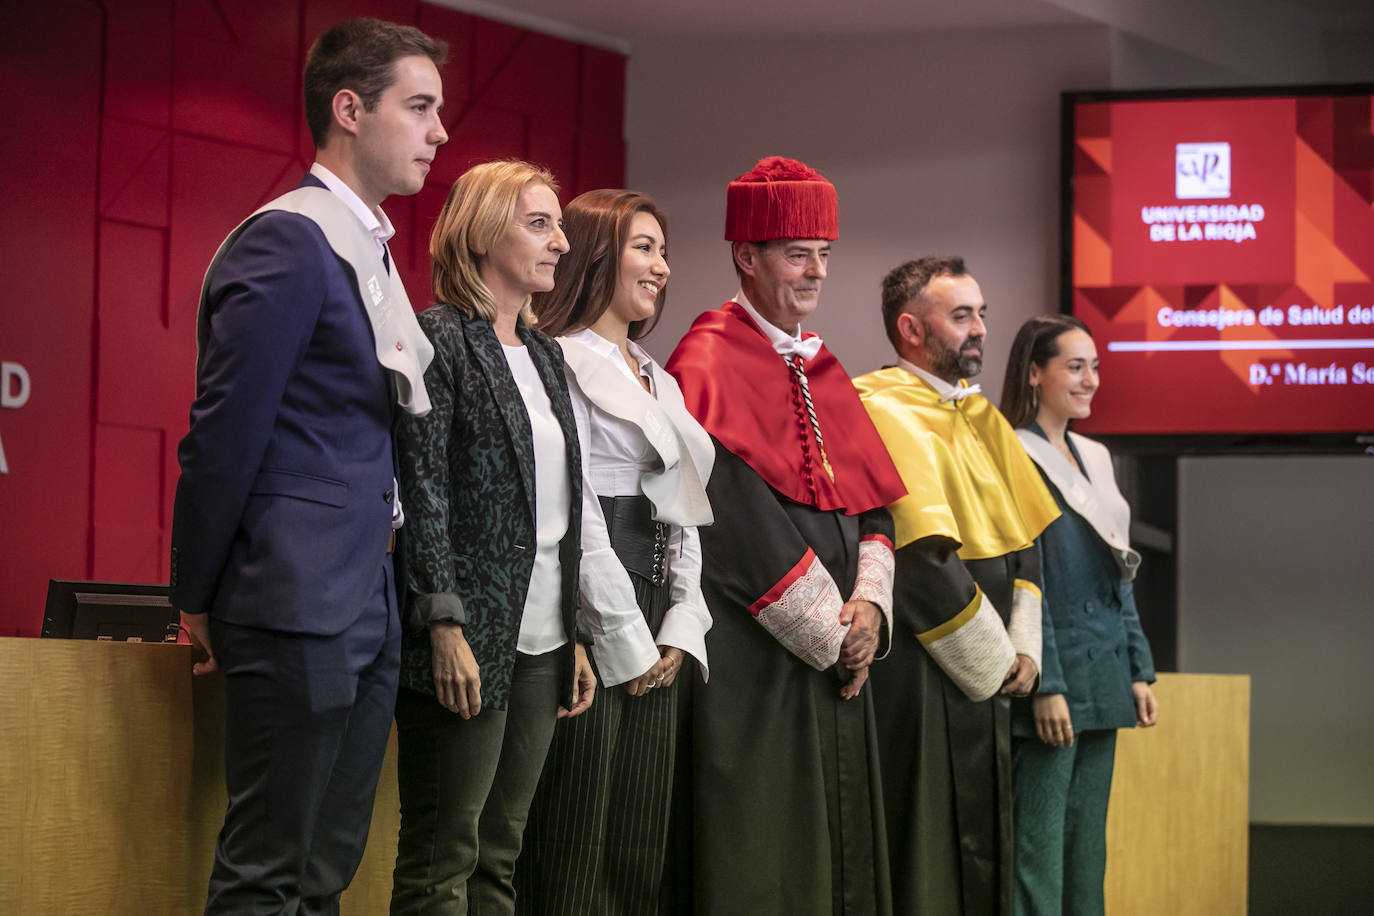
<point>14,385</point>
<point>14,393</point>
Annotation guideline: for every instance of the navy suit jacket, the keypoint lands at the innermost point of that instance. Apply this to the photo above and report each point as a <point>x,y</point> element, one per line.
<point>283,509</point>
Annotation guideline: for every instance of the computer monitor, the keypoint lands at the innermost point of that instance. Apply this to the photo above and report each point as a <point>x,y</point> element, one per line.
<point>115,611</point>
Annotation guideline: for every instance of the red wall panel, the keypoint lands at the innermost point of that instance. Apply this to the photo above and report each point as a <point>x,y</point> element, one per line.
<point>50,59</point>
<point>151,127</point>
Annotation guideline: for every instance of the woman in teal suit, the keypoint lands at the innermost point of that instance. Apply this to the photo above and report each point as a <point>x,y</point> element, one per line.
<point>1097,669</point>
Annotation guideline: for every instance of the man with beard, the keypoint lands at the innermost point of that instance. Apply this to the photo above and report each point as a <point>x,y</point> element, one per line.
<point>966,600</point>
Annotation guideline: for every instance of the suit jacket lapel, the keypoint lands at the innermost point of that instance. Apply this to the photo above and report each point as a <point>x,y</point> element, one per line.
<point>486,350</point>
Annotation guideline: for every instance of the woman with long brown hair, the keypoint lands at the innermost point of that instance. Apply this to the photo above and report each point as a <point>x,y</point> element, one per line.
<point>1096,667</point>
<point>499,541</point>
<point>598,828</point>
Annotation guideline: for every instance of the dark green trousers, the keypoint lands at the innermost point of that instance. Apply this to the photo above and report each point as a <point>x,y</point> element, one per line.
<point>1061,823</point>
<point>465,790</point>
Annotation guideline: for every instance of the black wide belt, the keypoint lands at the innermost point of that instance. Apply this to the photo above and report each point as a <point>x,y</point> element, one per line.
<point>639,542</point>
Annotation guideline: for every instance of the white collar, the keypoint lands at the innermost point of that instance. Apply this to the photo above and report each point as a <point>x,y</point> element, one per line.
<point>603,347</point>
<point>1089,490</point>
<point>374,221</point>
<point>784,344</point>
<point>944,389</point>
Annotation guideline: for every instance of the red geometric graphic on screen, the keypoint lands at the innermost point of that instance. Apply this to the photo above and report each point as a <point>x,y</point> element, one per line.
<point>134,162</point>
<point>1354,225</point>
<point>1093,204</point>
<point>1099,152</point>
<point>1237,361</point>
<point>1092,255</point>
<point>1315,126</point>
<point>1325,201</point>
<point>1171,293</point>
<point>1087,165</point>
<point>1109,300</point>
<point>1093,120</point>
<point>1247,294</point>
<point>1141,310</point>
<point>1353,146</point>
<point>1199,296</point>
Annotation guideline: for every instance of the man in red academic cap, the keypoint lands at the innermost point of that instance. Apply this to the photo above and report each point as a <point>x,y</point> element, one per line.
<point>785,796</point>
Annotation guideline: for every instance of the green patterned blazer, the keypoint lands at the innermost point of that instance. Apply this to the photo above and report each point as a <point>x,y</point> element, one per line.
<point>467,480</point>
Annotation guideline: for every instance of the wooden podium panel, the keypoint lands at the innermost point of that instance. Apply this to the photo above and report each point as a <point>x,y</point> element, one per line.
<point>95,777</point>
<point>112,789</point>
<point>112,783</point>
<point>1178,824</point>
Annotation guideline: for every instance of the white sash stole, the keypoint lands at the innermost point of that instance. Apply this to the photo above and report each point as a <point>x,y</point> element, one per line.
<point>400,344</point>
<point>678,489</point>
<point>1095,497</point>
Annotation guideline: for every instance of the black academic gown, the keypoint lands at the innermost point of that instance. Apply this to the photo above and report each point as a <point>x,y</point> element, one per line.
<point>946,759</point>
<point>782,790</point>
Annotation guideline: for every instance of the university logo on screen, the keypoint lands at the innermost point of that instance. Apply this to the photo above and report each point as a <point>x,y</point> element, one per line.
<point>1202,171</point>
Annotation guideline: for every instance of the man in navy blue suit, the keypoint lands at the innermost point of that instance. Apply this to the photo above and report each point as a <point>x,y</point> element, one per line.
<point>286,509</point>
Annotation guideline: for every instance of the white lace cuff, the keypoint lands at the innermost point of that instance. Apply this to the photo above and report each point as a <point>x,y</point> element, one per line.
<point>972,648</point>
<point>802,612</point>
<point>876,568</point>
<point>1024,628</point>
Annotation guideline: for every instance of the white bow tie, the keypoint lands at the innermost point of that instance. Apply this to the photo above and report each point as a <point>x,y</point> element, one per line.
<point>960,392</point>
<point>806,348</point>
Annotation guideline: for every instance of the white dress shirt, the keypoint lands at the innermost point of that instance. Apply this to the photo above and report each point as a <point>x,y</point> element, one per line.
<point>541,624</point>
<point>616,454</point>
<point>374,221</point>
<point>784,344</point>
<point>944,389</point>
<point>621,642</point>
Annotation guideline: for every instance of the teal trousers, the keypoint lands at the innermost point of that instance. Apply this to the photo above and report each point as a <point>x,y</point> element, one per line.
<point>1061,796</point>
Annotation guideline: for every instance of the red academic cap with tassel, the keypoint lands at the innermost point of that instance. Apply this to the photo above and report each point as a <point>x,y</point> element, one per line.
<point>781,199</point>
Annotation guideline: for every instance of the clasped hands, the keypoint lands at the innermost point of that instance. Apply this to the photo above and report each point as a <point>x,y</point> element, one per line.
<point>661,673</point>
<point>1020,679</point>
<point>859,646</point>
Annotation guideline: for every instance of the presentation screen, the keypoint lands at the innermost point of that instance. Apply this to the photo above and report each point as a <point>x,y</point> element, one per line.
<point>1220,247</point>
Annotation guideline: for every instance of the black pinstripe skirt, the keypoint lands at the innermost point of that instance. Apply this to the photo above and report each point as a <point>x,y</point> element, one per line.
<point>597,831</point>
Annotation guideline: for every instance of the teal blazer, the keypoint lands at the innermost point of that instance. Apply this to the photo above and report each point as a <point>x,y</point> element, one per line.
<point>1093,645</point>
